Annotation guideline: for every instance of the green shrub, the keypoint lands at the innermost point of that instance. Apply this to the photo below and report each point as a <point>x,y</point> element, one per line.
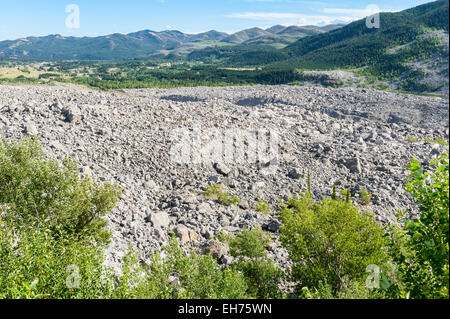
<point>365,196</point>
<point>262,207</point>
<point>188,276</point>
<point>215,192</point>
<point>420,249</point>
<point>33,264</point>
<point>334,195</point>
<point>330,241</point>
<point>36,191</point>
<point>349,290</point>
<point>346,194</point>
<point>261,274</point>
<point>250,243</point>
<point>413,139</point>
<point>438,140</point>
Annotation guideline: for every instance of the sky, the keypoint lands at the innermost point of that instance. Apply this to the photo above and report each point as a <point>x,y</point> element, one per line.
<point>20,19</point>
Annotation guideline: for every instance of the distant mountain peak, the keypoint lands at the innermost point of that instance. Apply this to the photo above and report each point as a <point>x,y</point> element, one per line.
<point>140,44</point>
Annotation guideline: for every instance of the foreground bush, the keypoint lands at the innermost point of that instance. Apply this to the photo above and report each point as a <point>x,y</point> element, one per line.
<point>263,278</point>
<point>420,248</point>
<point>52,240</point>
<point>36,191</point>
<point>330,242</point>
<point>52,237</point>
<point>33,264</point>
<point>180,275</point>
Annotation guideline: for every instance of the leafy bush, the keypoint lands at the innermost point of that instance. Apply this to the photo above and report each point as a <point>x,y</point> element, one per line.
<point>215,192</point>
<point>33,264</point>
<point>421,249</point>
<point>413,139</point>
<point>262,207</point>
<point>261,274</point>
<point>188,276</point>
<point>330,241</point>
<point>250,243</point>
<point>36,191</point>
<point>365,196</point>
<point>346,194</point>
<point>438,140</point>
<point>334,194</point>
<point>350,290</point>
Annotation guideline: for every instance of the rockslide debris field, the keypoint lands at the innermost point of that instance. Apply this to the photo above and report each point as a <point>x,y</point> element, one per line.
<point>354,137</point>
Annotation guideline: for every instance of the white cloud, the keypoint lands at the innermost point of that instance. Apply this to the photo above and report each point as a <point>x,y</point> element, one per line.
<point>357,13</point>
<point>291,18</point>
<point>328,16</point>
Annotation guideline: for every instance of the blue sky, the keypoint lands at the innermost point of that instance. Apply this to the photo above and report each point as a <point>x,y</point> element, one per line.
<point>99,17</point>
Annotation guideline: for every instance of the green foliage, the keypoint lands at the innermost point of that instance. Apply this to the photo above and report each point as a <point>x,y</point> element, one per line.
<point>250,243</point>
<point>330,241</point>
<point>413,139</point>
<point>421,249</point>
<point>334,195</point>
<point>215,192</point>
<point>36,191</point>
<point>308,183</point>
<point>35,265</point>
<point>140,74</point>
<point>438,140</point>
<point>262,207</point>
<point>346,194</point>
<point>187,276</point>
<point>365,196</point>
<point>261,274</point>
<point>350,290</point>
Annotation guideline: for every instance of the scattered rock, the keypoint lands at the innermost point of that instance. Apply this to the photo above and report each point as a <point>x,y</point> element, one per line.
<point>354,165</point>
<point>214,180</point>
<point>295,173</point>
<point>159,220</point>
<point>30,129</point>
<point>216,249</point>
<point>222,169</point>
<point>184,234</point>
<point>71,114</point>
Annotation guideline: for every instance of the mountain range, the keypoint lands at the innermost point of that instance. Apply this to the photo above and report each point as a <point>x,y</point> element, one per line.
<point>147,43</point>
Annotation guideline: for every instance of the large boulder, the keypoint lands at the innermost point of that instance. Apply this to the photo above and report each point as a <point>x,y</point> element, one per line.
<point>159,220</point>
<point>72,114</point>
<point>354,165</point>
<point>216,249</point>
<point>185,234</point>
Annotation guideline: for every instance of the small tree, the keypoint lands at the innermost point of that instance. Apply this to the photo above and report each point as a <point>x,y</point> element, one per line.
<point>308,183</point>
<point>334,196</point>
<point>347,195</point>
<point>262,276</point>
<point>262,207</point>
<point>38,191</point>
<point>365,196</point>
<point>331,241</point>
<point>420,250</point>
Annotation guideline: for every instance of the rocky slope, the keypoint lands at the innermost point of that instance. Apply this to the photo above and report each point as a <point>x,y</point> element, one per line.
<point>355,137</point>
